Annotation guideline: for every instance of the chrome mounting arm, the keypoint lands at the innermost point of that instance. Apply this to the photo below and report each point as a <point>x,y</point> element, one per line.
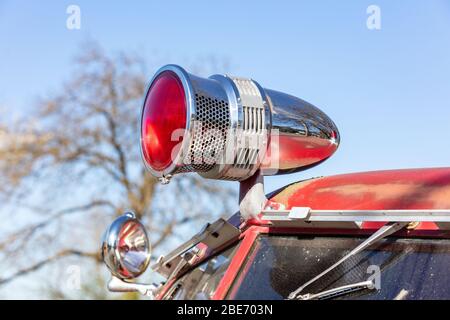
<point>118,285</point>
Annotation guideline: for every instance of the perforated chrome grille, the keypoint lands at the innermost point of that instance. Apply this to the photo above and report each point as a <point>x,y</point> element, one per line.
<point>209,132</point>
<point>210,121</point>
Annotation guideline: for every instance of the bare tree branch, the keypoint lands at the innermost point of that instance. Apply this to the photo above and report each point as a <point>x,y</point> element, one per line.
<point>27,232</point>
<point>51,259</point>
<point>82,144</point>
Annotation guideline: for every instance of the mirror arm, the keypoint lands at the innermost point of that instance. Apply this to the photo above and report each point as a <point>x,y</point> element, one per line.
<point>119,285</point>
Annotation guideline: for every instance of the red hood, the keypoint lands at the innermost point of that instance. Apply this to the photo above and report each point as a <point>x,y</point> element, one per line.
<point>393,189</point>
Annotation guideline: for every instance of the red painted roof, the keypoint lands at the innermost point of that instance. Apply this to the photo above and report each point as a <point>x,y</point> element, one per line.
<point>378,190</point>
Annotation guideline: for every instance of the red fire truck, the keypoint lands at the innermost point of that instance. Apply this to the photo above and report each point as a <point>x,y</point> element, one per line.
<point>371,235</point>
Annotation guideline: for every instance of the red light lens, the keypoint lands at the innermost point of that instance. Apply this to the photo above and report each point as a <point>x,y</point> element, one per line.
<point>164,112</point>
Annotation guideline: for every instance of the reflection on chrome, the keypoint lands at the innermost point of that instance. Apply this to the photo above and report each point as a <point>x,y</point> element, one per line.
<point>126,247</point>
<point>222,111</point>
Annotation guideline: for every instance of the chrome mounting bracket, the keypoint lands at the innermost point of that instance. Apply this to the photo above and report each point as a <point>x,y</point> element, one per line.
<point>118,285</point>
<point>252,199</point>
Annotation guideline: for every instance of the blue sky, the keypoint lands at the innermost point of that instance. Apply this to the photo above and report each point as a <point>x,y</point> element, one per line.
<point>387,90</point>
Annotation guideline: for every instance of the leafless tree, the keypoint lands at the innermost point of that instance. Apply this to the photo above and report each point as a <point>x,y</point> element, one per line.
<point>72,162</point>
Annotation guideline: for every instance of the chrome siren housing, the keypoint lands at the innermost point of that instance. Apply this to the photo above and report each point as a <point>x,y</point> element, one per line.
<point>235,127</point>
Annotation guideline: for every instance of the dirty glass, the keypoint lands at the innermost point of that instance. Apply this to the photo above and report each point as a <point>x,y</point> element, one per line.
<point>201,282</point>
<point>409,268</point>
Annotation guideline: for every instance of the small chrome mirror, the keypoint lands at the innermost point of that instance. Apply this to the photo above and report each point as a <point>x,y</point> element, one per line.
<point>126,247</point>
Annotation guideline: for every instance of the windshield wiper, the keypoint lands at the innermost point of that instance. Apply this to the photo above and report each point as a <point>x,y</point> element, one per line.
<point>332,293</point>
<point>381,233</point>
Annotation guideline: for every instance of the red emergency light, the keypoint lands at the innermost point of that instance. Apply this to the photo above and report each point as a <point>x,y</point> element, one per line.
<point>227,128</point>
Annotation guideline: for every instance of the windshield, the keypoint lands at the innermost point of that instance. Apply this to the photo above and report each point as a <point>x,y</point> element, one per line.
<point>407,268</point>
<point>201,282</point>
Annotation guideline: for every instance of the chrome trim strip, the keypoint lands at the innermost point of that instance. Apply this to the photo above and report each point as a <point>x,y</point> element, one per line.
<point>309,215</point>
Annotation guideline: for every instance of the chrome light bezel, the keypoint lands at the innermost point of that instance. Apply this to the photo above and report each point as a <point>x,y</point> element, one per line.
<point>110,253</point>
<point>183,76</point>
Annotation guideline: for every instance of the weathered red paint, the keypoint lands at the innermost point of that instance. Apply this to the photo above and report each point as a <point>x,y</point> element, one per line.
<point>165,289</point>
<point>382,190</point>
<point>378,190</point>
<point>241,263</point>
<point>239,258</point>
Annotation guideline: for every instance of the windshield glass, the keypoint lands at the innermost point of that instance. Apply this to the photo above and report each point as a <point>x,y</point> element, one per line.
<point>201,282</point>
<point>407,268</point>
